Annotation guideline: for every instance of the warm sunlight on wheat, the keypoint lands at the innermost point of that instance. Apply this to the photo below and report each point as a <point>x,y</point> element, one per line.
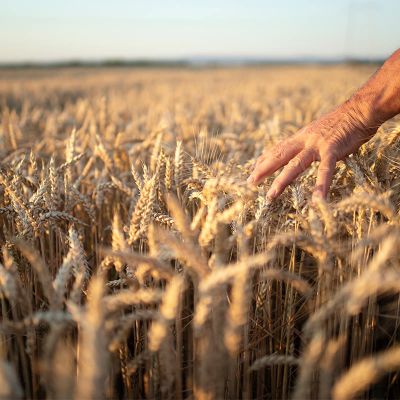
<point>137,263</point>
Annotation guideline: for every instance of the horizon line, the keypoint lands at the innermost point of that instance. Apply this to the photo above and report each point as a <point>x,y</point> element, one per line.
<point>195,61</point>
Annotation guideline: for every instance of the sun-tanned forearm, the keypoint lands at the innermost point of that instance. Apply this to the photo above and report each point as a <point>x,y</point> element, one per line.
<point>379,98</point>
<point>334,135</point>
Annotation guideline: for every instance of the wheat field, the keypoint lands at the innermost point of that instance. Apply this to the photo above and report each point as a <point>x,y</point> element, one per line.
<point>136,263</point>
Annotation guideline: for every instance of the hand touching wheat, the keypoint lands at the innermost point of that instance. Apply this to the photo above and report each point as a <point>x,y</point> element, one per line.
<point>328,140</point>
<point>335,135</point>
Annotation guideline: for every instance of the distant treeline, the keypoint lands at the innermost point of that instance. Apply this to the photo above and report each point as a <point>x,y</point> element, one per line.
<point>196,62</point>
<point>98,64</point>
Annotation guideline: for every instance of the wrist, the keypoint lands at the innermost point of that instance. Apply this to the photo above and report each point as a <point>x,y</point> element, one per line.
<point>365,113</point>
<point>379,98</point>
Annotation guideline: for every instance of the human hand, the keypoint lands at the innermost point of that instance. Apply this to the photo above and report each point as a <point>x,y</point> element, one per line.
<point>328,139</point>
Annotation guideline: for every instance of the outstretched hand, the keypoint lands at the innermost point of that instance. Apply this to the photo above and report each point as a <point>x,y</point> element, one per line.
<point>328,139</point>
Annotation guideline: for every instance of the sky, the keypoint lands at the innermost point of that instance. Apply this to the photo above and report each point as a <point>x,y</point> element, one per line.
<point>60,30</point>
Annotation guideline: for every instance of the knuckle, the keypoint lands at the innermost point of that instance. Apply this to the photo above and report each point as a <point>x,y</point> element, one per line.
<point>324,169</point>
<point>333,154</point>
<point>297,162</point>
<point>305,136</point>
<point>328,150</point>
<point>279,184</point>
<point>328,161</point>
<point>279,151</point>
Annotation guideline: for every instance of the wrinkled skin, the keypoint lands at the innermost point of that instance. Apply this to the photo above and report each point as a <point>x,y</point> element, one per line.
<point>328,139</point>
<point>335,135</point>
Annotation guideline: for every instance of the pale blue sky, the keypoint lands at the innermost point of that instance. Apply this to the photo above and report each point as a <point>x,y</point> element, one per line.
<point>50,30</point>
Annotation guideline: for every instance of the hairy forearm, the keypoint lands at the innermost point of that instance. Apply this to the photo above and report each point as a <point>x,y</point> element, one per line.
<point>379,98</point>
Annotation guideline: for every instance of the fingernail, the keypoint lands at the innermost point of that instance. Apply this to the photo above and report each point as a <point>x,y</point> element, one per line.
<point>271,193</point>
<point>317,195</point>
<point>250,179</point>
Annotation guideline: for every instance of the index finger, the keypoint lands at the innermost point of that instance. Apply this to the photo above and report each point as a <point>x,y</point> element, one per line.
<point>274,159</point>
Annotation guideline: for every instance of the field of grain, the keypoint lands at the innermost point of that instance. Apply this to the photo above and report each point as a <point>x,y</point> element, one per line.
<point>136,263</point>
